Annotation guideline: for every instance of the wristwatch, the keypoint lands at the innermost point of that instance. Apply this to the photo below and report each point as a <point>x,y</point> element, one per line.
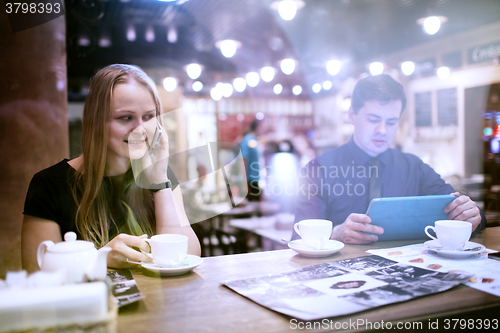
<point>157,187</point>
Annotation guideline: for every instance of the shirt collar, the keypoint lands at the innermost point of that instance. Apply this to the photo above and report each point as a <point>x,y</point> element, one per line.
<point>360,157</point>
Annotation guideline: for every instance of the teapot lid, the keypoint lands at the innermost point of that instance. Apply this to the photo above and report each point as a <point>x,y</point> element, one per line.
<point>71,244</point>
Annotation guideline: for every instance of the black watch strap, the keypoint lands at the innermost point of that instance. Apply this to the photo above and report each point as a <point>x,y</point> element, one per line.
<point>161,186</point>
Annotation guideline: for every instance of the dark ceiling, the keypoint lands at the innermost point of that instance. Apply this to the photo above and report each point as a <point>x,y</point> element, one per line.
<point>351,30</point>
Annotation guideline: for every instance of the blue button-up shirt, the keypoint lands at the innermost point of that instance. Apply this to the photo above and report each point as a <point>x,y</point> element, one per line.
<point>336,184</point>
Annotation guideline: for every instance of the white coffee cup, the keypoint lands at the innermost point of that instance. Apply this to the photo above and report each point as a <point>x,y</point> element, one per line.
<point>451,234</point>
<point>314,232</point>
<point>168,250</point>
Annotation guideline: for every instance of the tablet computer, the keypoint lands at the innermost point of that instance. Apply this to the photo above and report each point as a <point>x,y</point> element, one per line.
<point>406,217</point>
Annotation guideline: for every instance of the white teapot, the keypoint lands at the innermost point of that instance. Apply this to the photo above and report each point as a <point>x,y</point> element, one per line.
<point>80,259</point>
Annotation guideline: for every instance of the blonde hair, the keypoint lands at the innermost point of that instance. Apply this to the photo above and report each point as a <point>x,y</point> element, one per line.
<point>91,194</point>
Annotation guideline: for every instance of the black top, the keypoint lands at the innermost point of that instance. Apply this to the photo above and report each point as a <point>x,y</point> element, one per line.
<point>336,183</point>
<point>49,197</point>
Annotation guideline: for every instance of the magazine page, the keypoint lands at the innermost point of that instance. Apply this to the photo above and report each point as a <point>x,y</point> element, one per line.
<point>343,287</point>
<point>124,287</point>
<point>485,272</point>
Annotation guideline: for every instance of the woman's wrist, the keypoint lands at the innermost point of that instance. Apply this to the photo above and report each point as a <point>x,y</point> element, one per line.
<point>167,184</point>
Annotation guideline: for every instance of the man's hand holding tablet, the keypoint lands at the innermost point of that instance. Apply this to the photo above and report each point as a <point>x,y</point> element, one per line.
<point>463,209</point>
<point>359,229</point>
<point>356,229</point>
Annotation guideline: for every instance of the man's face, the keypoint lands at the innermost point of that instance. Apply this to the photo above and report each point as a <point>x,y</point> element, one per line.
<point>375,125</point>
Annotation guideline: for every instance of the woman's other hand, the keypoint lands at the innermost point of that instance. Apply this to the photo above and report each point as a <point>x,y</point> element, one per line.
<point>121,250</point>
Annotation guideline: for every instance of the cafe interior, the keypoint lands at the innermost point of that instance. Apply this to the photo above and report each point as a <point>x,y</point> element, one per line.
<point>290,65</point>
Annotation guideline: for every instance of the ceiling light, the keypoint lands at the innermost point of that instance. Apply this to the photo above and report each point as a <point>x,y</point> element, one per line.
<point>227,89</point>
<point>333,67</point>
<point>131,33</point>
<point>408,67</point>
<point>277,89</point>
<point>172,35</point>
<point>197,86</point>
<point>297,90</point>
<point>287,9</point>
<point>193,71</point>
<point>267,74</point>
<point>215,93</point>
<point>443,72</point>
<point>287,66</point>
<point>170,84</point>
<point>316,88</point>
<point>327,85</point>
<point>150,34</point>
<point>376,68</point>
<point>83,41</point>
<point>240,84</point>
<point>432,24</point>
<point>105,41</point>
<point>252,79</point>
<point>228,47</point>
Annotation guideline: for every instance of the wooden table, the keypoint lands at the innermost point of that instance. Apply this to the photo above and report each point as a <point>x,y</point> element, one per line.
<point>197,302</point>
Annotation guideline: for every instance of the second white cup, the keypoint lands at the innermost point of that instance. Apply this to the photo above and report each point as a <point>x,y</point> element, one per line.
<point>451,234</point>
<point>168,250</point>
<point>314,232</point>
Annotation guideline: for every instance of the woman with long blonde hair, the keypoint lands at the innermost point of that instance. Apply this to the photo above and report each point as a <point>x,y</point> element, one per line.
<point>99,195</point>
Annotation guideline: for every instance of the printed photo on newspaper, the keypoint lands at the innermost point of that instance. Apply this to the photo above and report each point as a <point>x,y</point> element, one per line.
<point>343,287</point>
<point>124,287</point>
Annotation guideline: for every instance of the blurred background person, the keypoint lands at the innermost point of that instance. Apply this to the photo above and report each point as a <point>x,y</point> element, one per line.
<point>250,150</point>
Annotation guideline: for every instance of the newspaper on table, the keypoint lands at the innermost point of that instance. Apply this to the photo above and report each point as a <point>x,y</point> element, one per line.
<point>485,272</point>
<point>124,287</point>
<point>343,287</point>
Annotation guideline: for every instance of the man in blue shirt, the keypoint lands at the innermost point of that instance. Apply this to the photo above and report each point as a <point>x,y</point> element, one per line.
<point>250,153</point>
<point>337,185</point>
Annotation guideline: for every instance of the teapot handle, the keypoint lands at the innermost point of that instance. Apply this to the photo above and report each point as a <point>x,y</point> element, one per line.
<point>42,248</point>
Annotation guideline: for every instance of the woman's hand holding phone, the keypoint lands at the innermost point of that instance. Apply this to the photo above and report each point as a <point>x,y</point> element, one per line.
<point>155,161</point>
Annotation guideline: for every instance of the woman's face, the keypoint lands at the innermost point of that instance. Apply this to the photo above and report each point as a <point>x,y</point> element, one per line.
<point>133,120</point>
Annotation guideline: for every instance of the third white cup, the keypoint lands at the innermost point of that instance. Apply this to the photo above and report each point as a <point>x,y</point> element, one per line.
<point>451,234</point>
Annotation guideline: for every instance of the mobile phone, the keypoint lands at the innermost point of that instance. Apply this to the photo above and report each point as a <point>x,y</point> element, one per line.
<point>157,136</point>
<point>495,255</point>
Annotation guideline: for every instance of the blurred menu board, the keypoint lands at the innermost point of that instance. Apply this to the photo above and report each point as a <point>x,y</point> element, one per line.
<point>447,106</point>
<point>423,109</point>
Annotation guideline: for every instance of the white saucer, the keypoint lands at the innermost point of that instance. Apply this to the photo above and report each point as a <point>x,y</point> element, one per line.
<point>172,271</point>
<point>330,247</point>
<point>436,247</point>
